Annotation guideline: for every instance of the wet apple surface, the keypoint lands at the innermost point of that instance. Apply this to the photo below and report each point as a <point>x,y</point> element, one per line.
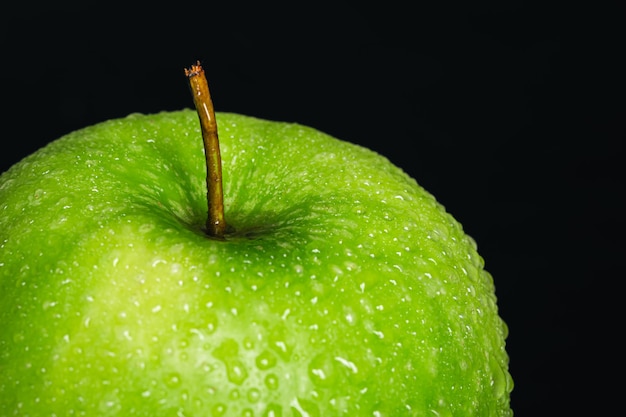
<point>341,288</point>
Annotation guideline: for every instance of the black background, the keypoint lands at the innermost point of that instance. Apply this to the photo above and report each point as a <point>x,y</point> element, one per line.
<point>511,113</point>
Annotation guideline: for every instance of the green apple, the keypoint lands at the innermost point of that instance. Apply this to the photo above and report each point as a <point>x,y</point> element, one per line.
<point>342,288</point>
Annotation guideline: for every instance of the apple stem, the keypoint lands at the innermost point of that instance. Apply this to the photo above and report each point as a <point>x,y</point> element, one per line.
<point>216,225</point>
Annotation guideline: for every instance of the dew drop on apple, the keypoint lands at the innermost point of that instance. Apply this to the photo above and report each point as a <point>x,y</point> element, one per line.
<point>173,380</point>
<point>236,371</point>
<point>271,381</point>
<point>145,228</point>
<point>218,410</point>
<point>234,395</point>
<point>210,390</point>
<point>211,323</point>
<point>441,411</point>
<point>265,360</point>
<point>322,370</point>
<point>281,348</point>
<point>227,353</point>
<point>500,379</point>
<point>253,395</point>
<point>248,343</point>
<point>198,403</point>
<point>304,408</point>
<point>206,367</point>
<point>273,410</point>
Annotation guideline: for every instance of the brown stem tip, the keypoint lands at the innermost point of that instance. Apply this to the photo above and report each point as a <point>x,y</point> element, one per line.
<point>216,225</point>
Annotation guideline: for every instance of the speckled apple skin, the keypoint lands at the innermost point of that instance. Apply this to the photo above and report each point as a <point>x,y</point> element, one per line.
<point>345,288</point>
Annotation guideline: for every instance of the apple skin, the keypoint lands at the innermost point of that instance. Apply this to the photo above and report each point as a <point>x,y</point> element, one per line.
<point>345,288</point>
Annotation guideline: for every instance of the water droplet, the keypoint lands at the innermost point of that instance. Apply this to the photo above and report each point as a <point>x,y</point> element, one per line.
<point>322,370</point>
<point>218,410</point>
<point>441,411</point>
<point>271,381</point>
<point>254,395</point>
<point>228,353</point>
<point>234,395</point>
<point>211,323</point>
<point>184,396</point>
<point>273,410</point>
<point>278,343</point>
<point>347,363</point>
<point>501,379</point>
<point>236,372</point>
<point>247,413</point>
<point>248,343</point>
<point>172,380</point>
<point>145,228</point>
<point>304,408</point>
<point>265,360</point>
